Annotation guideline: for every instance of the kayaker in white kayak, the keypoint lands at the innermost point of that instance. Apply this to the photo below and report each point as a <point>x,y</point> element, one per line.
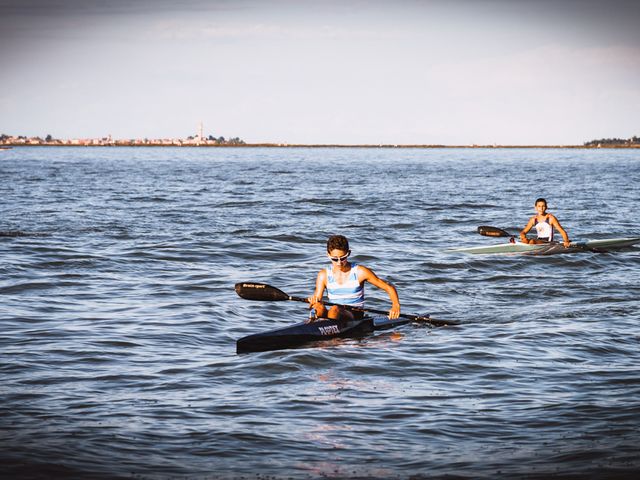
<point>544,224</point>
<point>344,282</point>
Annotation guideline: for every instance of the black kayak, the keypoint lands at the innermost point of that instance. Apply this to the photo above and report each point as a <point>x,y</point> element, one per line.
<point>302,333</point>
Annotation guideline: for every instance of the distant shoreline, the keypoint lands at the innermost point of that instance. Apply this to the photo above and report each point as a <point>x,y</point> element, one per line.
<point>291,145</point>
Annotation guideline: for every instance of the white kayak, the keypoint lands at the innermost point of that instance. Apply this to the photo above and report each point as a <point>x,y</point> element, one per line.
<point>604,245</point>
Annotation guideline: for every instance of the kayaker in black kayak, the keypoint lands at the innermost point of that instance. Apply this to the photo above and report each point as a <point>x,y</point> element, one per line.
<point>544,223</point>
<point>344,282</point>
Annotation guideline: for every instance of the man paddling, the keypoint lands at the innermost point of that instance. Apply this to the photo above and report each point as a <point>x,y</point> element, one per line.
<point>344,282</point>
<point>544,223</point>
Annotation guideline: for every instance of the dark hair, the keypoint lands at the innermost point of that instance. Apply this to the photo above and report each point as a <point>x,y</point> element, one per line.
<point>541,200</point>
<point>338,242</point>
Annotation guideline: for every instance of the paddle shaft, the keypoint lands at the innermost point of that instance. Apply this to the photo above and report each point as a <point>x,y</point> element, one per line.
<point>360,309</point>
<point>487,231</point>
<point>262,291</point>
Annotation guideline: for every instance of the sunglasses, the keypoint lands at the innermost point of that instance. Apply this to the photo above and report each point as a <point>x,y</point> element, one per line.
<point>340,259</point>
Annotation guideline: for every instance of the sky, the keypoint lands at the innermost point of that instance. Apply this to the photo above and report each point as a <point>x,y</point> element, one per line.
<point>452,72</point>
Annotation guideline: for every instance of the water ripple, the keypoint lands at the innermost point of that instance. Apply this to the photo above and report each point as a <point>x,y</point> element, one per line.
<point>119,318</point>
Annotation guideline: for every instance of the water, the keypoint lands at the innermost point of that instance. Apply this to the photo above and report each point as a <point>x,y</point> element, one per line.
<point>119,317</point>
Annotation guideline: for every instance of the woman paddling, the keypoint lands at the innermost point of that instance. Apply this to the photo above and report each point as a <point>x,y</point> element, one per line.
<point>544,223</point>
<point>344,282</point>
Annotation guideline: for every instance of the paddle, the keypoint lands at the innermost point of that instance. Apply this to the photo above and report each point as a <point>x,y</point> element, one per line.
<point>488,231</point>
<point>493,232</point>
<point>261,291</point>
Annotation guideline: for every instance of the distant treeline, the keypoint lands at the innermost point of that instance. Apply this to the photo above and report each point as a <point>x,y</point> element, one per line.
<point>613,141</point>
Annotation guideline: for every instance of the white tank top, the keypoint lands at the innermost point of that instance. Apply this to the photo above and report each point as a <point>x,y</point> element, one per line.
<point>351,292</point>
<point>544,229</point>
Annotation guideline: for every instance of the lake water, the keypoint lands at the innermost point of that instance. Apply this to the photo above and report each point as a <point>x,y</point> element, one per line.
<point>119,318</point>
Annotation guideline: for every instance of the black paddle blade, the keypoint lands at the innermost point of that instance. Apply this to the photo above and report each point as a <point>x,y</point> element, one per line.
<point>260,291</point>
<point>493,232</point>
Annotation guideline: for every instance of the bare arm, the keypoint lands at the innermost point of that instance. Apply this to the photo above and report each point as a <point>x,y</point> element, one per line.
<point>525,230</point>
<point>368,275</point>
<point>555,223</point>
<point>315,300</point>
<point>321,284</point>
